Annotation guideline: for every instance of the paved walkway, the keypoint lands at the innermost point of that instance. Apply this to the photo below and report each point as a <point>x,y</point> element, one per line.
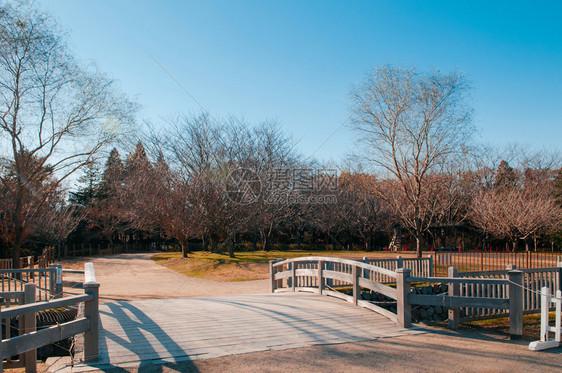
<point>176,330</point>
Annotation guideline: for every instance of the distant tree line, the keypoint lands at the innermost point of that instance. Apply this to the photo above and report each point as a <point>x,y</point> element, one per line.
<point>189,199</point>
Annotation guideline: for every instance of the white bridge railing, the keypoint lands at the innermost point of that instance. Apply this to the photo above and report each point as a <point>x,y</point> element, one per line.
<point>30,339</point>
<point>325,276</point>
<point>334,277</point>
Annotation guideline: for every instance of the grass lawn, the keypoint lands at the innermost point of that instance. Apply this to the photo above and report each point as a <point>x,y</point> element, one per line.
<point>248,265</point>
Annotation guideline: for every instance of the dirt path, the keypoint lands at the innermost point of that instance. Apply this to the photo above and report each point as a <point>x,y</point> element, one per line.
<point>437,351</point>
<point>136,276</point>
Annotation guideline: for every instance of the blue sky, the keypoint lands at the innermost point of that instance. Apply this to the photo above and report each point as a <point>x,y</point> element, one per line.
<point>296,61</point>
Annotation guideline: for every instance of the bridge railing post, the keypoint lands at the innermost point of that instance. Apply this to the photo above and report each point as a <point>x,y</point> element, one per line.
<point>91,312</point>
<point>320,277</point>
<point>403,307</point>
<point>355,284</point>
<point>272,276</point>
<point>30,325</point>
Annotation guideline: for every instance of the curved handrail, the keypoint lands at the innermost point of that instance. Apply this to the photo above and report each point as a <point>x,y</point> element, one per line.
<point>316,277</point>
<point>382,271</point>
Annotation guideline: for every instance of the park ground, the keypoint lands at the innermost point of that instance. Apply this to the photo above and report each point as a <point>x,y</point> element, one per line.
<point>480,347</point>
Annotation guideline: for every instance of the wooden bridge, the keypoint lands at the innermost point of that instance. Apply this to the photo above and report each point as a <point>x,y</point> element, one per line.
<point>175,330</point>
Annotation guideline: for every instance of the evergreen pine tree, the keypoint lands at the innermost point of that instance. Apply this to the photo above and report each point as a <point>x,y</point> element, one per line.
<point>506,177</point>
<point>85,195</point>
<point>137,161</point>
<point>113,174</point>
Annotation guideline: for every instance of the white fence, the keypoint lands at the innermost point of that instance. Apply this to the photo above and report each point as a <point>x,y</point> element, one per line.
<point>545,342</point>
<point>534,279</point>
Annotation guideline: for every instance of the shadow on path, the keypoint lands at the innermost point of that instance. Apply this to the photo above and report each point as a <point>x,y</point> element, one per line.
<point>137,343</point>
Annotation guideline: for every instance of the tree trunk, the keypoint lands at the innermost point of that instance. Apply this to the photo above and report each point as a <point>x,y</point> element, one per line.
<point>214,244</point>
<point>396,240</point>
<point>16,249</point>
<point>184,248</point>
<point>418,246</point>
<point>110,239</point>
<point>443,238</point>
<point>204,243</point>
<point>255,241</point>
<point>230,246</point>
<point>18,228</point>
<point>265,240</point>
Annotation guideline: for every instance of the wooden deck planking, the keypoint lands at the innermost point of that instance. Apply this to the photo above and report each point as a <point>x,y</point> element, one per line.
<point>202,328</point>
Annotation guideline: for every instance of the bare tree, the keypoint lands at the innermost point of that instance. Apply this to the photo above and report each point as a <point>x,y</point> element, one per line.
<point>51,109</point>
<point>272,155</point>
<point>519,206</point>
<point>413,124</point>
<point>157,200</point>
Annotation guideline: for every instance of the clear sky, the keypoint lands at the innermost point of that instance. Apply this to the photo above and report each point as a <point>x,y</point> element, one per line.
<point>296,61</point>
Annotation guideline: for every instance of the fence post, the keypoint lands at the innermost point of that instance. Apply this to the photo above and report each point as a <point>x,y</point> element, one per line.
<point>58,281</point>
<point>272,276</point>
<point>29,325</point>
<point>431,267</point>
<point>545,292</point>
<point>559,278</point>
<point>454,291</point>
<point>400,262</point>
<point>52,279</point>
<point>403,307</point>
<point>91,312</point>
<point>290,279</point>
<point>320,277</point>
<point>515,303</point>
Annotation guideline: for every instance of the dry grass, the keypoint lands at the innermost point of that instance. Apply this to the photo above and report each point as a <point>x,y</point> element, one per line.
<point>531,326</point>
<point>212,269</point>
<point>251,265</point>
